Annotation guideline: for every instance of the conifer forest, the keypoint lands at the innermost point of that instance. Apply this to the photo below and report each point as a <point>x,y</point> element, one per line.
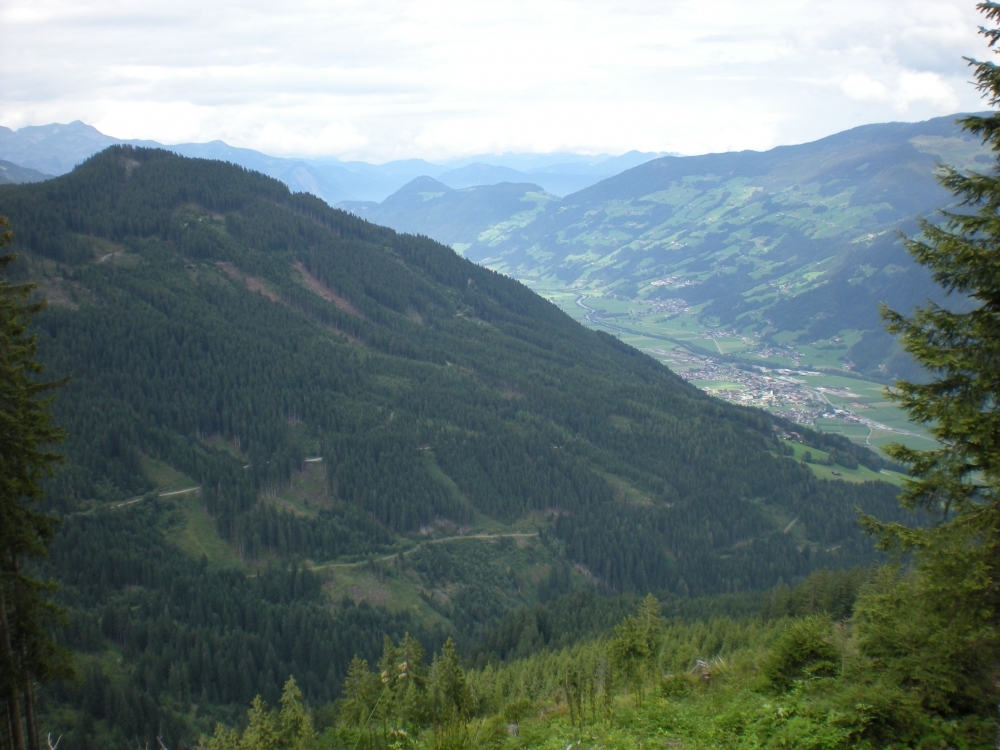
<point>275,477</point>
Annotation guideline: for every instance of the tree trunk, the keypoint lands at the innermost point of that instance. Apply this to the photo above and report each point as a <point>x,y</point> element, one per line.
<point>29,713</point>
<point>7,661</point>
<point>6,741</point>
<point>28,691</point>
<point>14,717</point>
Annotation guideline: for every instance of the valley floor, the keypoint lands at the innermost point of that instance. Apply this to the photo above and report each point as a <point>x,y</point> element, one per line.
<point>808,384</point>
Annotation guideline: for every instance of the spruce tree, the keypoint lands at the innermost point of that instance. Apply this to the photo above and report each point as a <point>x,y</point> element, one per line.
<point>961,350</point>
<point>27,652</point>
<point>447,685</point>
<point>289,728</point>
<point>958,483</point>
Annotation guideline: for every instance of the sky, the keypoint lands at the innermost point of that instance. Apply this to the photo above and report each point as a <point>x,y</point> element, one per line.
<point>384,79</point>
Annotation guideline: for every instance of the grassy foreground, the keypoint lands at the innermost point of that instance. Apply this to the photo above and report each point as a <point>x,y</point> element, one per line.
<point>846,660</point>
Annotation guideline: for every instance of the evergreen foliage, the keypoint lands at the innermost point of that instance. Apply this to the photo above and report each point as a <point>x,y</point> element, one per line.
<point>811,682</point>
<point>187,634</point>
<point>289,728</point>
<point>27,651</point>
<point>432,388</point>
<point>958,556</point>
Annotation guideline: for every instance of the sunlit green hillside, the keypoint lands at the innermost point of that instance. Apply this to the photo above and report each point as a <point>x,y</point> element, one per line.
<point>799,242</point>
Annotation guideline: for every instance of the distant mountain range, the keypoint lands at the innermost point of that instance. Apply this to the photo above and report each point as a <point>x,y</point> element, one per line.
<point>799,243</point>
<point>14,173</point>
<point>429,207</point>
<point>55,149</point>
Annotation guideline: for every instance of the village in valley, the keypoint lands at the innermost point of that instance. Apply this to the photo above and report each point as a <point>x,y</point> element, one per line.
<point>779,390</point>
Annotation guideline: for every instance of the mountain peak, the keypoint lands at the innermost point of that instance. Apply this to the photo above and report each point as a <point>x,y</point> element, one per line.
<point>422,184</point>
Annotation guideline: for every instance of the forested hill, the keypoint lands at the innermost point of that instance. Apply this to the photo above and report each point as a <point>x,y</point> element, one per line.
<point>221,331</point>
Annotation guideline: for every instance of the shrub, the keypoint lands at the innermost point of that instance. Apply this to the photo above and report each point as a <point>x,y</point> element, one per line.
<point>803,651</point>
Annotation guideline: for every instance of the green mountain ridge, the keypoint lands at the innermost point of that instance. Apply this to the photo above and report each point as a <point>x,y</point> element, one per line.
<point>431,208</point>
<point>14,173</point>
<point>796,244</point>
<point>220,331</point>
<point>797,239</point>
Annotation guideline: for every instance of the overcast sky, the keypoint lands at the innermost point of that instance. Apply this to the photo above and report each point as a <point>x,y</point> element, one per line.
<point>383,80</point>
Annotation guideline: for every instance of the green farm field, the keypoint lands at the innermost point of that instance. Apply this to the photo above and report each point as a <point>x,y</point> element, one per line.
<point>860,474</point>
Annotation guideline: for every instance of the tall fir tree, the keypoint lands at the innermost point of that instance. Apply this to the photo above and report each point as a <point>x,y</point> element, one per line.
<point>958,483</point>
<point>27,652</point>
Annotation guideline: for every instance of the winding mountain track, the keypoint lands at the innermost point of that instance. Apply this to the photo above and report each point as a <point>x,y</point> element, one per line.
<point>162,494</point>
<point>525,535</point>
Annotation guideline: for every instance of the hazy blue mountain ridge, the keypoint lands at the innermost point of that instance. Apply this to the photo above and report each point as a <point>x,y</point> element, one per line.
<point>429,207</point>
<point>14,173</point>
<point>563,162</point>
<point>478,174</point>
<point>55,149</point>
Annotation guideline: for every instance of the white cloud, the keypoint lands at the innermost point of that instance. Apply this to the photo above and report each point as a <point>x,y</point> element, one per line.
<point>909,88</point>
<point>923,87</point>
<point>382,79</point>
<point>861,88</point>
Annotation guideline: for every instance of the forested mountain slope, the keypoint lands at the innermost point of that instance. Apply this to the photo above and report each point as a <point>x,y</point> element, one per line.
<point>194,300</point>
<point>222,330</point>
